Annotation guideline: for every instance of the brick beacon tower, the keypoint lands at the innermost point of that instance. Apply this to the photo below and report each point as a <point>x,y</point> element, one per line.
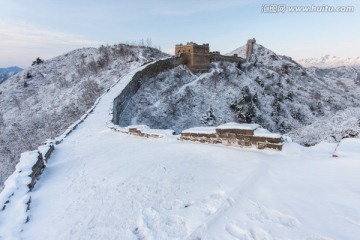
<point>195,57</point>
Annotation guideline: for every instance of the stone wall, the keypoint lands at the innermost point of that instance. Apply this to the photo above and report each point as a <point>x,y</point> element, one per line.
<point>121,101</point>
<point>235,137</point>
<point>218,57</point>
<point>39,166</point>
<point>26,174</point>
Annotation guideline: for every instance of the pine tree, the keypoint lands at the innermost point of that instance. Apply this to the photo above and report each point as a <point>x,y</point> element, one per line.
<point>209,118</point>
<point>276,106</point>
<point>246,95</point>
<point>290,96</point>
<point>250,113</point>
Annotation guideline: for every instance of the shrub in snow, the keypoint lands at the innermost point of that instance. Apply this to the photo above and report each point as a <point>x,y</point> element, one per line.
<point>37,61</point>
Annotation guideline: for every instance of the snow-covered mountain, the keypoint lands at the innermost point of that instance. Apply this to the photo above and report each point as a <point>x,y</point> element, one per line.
<point>6,73</point>
<point>271,90</point>
<point>329,61</point>
<point>43,100</point>
<point>104,184</point>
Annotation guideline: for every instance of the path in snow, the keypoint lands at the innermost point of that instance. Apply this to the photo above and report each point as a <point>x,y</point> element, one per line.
<point>101,184</point>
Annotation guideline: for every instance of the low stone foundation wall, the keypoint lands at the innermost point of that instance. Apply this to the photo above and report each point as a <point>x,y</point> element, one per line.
<point>137,132</point>
<point>234,137</point>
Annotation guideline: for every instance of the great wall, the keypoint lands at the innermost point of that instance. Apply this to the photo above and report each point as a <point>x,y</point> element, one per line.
<point>237,135</point>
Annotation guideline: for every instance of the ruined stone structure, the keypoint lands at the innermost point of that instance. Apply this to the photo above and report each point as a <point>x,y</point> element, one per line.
<point>249,47</point>
<point>195,57</point>
<point>232,134</point>
<point>198,57</point>
<point>138,131</point>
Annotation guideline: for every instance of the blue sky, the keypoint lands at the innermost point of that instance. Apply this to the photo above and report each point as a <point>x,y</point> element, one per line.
<point>47,28</point>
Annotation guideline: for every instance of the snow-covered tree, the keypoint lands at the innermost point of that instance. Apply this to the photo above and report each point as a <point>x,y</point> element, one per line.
<point>209,118</point>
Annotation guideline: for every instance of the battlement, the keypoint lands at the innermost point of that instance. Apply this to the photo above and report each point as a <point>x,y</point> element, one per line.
<point>193,44</point>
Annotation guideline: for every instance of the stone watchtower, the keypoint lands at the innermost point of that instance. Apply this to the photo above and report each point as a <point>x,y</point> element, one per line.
<point>195,57</point>
<point>249,47</point>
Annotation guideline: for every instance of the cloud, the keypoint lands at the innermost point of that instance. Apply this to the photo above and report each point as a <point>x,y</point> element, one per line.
<point>20,43</point>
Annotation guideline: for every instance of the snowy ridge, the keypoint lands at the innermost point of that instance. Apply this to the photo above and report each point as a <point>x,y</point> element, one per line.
<point>329,61</point>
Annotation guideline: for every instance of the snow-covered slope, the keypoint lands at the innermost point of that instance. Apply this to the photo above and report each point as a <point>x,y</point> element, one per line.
<point>344,123</point>
<point>102,184</point>
<point>240,51</point>
<point>329,61</point>
<point>344,79</point>
<point>43,100</point>
<point>6,73</point>
<point>270,90</point>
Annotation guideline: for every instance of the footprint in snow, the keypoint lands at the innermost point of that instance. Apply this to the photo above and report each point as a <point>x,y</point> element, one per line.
<point>242,234</point>
<point>268,215</point>
<point>212,203</point>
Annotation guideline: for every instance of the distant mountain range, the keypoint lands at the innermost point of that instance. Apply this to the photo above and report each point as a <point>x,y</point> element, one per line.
<point>5,73</point>
<point>329,61</point>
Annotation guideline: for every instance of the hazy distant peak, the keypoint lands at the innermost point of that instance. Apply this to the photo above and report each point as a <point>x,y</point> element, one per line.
<point>11,69</point>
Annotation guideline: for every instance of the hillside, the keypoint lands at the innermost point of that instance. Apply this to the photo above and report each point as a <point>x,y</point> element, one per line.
<point>45,99</point>
<point>271,90</point>
<point>104,184</point>
<point>6,73</point>
<point>329,61</point>
<point>240,51</point>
